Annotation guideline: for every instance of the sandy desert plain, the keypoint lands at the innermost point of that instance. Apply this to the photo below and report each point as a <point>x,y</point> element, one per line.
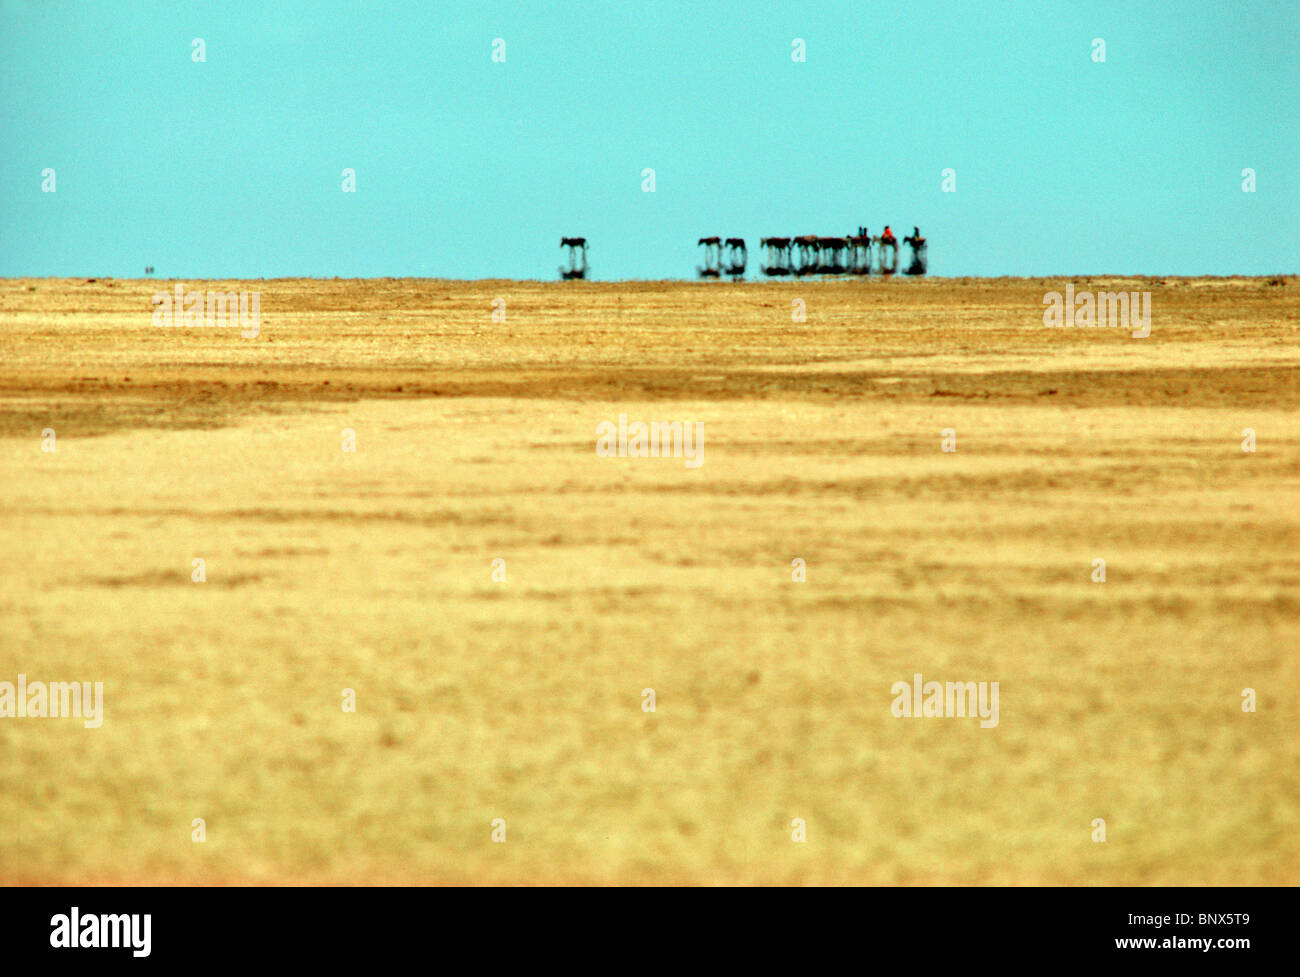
<point>479,699</point>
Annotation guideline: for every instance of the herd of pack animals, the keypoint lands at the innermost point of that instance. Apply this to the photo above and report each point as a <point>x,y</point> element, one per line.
<point>808,254</point>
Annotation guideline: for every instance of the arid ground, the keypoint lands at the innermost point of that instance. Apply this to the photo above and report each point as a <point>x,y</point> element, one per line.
<point>522,699</point>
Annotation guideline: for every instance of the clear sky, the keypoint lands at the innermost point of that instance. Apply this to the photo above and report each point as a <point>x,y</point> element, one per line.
<point>470,168</point>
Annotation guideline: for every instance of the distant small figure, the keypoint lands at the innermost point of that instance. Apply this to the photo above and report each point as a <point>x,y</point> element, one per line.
<point>860,252</point>
<point>830,255</point>
<point>577,266</point>
<point>734,257</point>
<point>148,270</point>
<point>776,255</point>
<point>887,251</point>
<point>807,254</point>
<point>917,265</point>
<point>712,256</point>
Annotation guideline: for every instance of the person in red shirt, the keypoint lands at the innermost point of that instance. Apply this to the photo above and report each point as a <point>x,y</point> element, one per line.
<point>888,235</point>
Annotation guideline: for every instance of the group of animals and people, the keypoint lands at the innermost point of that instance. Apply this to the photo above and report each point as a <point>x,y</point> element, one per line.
<point>809,254</point>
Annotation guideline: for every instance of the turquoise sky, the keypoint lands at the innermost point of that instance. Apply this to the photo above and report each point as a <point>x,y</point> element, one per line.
<point>468,168</point>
